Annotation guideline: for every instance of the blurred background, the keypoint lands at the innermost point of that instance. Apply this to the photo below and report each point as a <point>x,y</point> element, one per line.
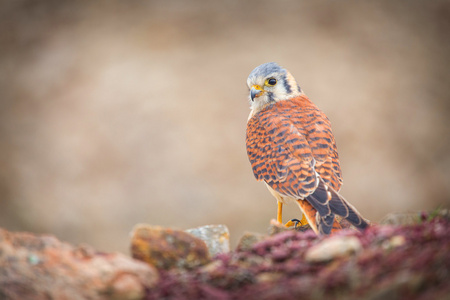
<point>114,113</point>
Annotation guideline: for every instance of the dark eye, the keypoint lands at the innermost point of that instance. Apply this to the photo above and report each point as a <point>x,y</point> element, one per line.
<point>271,81</point>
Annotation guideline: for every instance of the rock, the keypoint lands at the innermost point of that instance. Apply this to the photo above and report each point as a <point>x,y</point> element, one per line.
<point>216,238</point>
<point>42,267</point>
<point>276,227</point>
<point>394,242</point>
<point>248,240</point>
<point>333,247</point>
<point>166,248</point>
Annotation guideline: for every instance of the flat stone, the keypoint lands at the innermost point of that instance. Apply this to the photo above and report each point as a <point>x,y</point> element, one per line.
<point>166,248</point>
<point>216,238</point>
<point>333,247</point>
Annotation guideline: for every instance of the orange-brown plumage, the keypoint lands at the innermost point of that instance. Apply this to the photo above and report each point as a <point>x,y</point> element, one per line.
<point>292,149</point>
<point>287,142</point>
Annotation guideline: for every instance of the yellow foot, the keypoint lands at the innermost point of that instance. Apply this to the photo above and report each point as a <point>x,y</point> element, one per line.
<point>297,223</point>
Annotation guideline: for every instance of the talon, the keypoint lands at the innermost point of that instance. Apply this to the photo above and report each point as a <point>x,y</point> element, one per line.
<point>293,222</point>
<point>297,223</point>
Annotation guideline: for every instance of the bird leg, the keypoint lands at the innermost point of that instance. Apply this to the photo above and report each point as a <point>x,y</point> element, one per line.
<point>293,222</point>
<point>280,212</point>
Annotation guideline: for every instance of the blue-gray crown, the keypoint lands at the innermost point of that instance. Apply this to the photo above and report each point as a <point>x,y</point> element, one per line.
<point>267,69</point>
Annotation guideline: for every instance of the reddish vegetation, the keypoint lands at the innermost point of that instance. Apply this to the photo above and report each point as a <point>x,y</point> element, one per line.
<point>394,262</point>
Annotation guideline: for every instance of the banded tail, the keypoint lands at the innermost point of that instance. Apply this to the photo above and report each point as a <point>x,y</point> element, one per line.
<point>328,204</point>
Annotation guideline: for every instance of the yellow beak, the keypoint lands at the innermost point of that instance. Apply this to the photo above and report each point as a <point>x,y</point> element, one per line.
<point>255,91</point>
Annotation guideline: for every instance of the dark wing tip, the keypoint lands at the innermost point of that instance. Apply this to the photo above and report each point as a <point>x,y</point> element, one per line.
<point>329,203</point>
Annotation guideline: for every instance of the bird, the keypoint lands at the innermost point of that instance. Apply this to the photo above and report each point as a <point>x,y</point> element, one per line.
<point>292,149</point>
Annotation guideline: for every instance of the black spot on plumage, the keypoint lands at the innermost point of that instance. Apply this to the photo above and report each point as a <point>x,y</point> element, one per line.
<point>308,125</point>
<point>264,120</point>
<point>286,84</point>
<point>257,166</point>
<point>298,144</point>
<point>321,145</point>
<point>281,134</point>
<point>325,174</point>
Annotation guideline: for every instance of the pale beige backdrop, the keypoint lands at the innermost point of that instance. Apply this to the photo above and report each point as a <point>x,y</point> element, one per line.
<point>119,112</point>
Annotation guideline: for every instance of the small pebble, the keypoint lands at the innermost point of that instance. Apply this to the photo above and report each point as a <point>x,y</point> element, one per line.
<point>216,238</point>
<point>333,247</point>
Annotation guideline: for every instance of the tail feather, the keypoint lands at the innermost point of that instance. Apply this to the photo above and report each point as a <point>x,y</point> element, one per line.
<point>312,216</point>
<point>329,203</point>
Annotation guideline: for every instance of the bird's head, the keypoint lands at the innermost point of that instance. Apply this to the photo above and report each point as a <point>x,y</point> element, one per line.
<point>271,83</point>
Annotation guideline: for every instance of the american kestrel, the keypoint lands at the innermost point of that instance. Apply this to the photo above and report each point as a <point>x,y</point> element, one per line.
<point>292,149</point>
